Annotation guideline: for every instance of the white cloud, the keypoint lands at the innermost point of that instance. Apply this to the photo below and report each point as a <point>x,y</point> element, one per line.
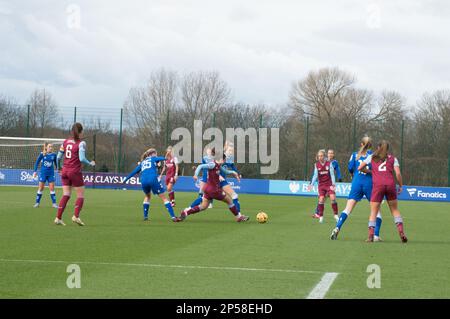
<point>259,47</point>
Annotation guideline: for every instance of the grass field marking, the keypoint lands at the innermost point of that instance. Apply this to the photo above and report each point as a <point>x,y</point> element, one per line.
<point>159,266</point>
<point>321,289</point>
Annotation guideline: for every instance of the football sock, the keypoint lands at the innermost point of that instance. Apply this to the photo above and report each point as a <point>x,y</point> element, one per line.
<point>193,210</point>
<point>233,209</point>
<point>334,205</point>
<point>378,224</point>
<point>146,207</point>
<point>172,196</point>
<point>169,209</point>
<point>53,197</point>
<point>371,229</point>
<point>317,209</point>
<point>321,207</point>
<point>62,205</point>
<point>78,206</point>
<point>38,197</point>
<point>197,201</point>
<point>342,219</point>
<point>236,202</point>
<point>399,223</point>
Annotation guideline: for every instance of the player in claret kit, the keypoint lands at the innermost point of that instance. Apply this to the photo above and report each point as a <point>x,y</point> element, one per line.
<point>171,170</point>
<point>207,158</point>
<point>212,189</point>
<point>148,167</point>
<point>74,152</point>
<point>324,173</point>
<point>229,165</point>
<point>384,165</point>
<point>361,186</point>
<point>48,162</point>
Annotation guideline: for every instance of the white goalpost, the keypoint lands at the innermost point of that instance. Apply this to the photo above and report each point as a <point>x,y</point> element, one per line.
<point>22,152</point>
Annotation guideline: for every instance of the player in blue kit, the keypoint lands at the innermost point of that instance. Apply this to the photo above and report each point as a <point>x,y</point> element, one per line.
<point>361,186</point>
<point>48,162</point>
<point>148,167</point>
<point>207,158</point>
<point>229,165</point>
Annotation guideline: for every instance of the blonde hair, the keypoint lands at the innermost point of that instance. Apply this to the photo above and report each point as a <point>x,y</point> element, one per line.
<point>381,152</point>
<point>366,142</point>
<point>44,149</point>
<point>169,150</point>
<point>320,152</point>
<point>148,153</point>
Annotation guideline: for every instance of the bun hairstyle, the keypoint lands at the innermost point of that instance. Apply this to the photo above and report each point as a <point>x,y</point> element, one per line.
<point>76,130</point>
<point>381,152</point>
<point>151,151</point>
<point>366,144</point>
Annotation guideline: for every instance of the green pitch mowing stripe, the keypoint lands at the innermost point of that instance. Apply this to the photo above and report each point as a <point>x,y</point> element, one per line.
<point>115,236</point>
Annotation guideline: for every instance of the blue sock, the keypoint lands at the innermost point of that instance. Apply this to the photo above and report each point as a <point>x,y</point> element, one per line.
<point>38,197</point>
<point>169,209</point>
<point>197,201</point>
<point>237,204</point>
<point>378,226</point>
<point>53,197</point>
<point>341,220</point>
<point>146,206</point>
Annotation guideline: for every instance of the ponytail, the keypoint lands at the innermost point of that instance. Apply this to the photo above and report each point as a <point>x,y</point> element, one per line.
<point>366,145</point>
<point>381,152</point>
<point>147,153</point>
<point>77,128</point>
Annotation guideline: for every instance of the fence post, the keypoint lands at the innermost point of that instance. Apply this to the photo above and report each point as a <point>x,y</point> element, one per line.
<point>401,143</point>
<point>167,129</point>
<point>75,114</point>
<point>306,148</point>
<point>28,120</point>
<point>120,142</point>
<point>94,150</point>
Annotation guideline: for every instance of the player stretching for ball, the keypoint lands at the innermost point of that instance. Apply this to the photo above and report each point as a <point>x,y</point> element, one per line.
<point>229,165</point>
<point>361,186</point>
<point>207,158</point>
<point>150,182</point>
<point>171,169</point>
<point>48,162</point>
<point>383,167</point>
<point>212,190</point>
<point>74,152</point>
<point>324,173</point>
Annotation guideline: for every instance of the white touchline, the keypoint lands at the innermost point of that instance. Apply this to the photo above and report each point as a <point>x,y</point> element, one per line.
<point>321,289</point>
<point>156,265</point>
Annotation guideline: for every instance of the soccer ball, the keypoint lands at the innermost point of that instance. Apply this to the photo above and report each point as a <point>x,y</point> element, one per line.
<point>262,217</point>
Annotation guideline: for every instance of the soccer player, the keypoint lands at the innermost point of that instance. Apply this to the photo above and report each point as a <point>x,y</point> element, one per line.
<point>212,190</point>
<point>324,173</point>
<point>48,162</point>
<point>384,165</point>
<point>361,186</point>
<point>171,169</point>
<point>229,165</point>
<point>334,162</point>
<point>74,152</point>
<point>206,159</point>
<point>148,167</point>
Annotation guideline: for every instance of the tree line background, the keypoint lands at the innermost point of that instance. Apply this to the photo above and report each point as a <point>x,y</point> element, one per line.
<point>325,109</point>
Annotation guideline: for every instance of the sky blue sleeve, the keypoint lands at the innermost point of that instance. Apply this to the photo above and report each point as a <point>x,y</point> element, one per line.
<point>134,172</point>
<point>37,162</point>
<point>210,165</point>
<point>226,171</point>
<point>82,157</point>
<point>315,176</point>
<point>333,177</point>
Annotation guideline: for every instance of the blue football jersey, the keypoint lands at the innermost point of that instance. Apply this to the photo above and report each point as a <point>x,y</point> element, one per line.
<point>47,162</point>
<point>353,165</point>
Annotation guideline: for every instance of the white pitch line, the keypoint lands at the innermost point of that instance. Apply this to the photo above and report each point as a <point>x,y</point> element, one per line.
<point>321,289</point>
<point>156,265</point>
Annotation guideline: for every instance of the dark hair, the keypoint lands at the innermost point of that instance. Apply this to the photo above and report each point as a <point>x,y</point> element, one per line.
<point>381,152</point>
<point>77,128</point>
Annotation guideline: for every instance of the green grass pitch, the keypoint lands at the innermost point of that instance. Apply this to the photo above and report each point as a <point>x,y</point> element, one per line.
<point>210,255</point>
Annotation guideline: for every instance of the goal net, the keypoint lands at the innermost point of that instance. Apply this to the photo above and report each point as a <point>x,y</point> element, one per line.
<point>22,152</point>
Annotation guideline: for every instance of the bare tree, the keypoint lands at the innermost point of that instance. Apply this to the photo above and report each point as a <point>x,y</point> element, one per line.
<point>11,116</point>
<point>203,93</point>
<point>44,110</point>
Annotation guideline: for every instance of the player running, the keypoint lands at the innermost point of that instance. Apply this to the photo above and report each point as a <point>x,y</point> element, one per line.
<point>171,169</point>
<point>212,190</point>
<point>207,158</point>
<point>361,186</point>
<point>324,173</point>
<point>383,167</point>
<point>48,162</point>
<point>229,165</point>
<point>74,152</point>
<point>148,167</point>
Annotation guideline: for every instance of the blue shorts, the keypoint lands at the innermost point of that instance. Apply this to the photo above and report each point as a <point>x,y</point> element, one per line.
<point>46,178</point>
<point>359,190</point>
<point>155,187</point>
<point>223,183</point>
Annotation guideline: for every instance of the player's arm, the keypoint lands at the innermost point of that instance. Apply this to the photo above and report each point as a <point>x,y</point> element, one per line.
<point>55,162</point>
<point>175,161</point>
<point>229,172</point>
<point>159,158</point>
<point>314,178</point>
<point>366,162</point>
<point>59,156</point>
<point>338,171</point>
<point>398,175</point>
<point>162,172</point>
<point>333,177</point>
<point>134,172</point>
<point>234,168</point>
<point>36,164</point>
<point>82,155</point>
<point>209,165</point>
<point>351,164</point>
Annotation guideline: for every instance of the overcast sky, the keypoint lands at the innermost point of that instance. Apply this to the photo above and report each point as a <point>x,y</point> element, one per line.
<point>259,47</point>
